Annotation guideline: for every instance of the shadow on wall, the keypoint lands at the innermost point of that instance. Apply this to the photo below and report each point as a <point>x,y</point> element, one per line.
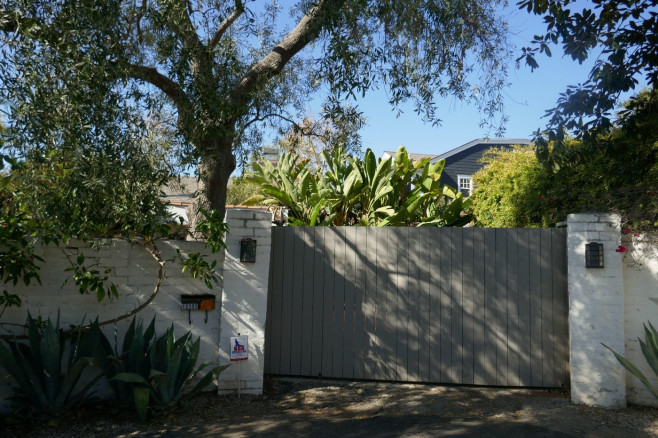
<point>640,274</point>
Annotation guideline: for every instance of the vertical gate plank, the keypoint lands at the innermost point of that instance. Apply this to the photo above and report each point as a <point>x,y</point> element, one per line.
<point>501,307</point>
<point>446,307</point>
<point>308,292</point>
<point>480,261</point>
<point>491,329</point>
<point>456,287</point>
<point>468,331</point>
<point>435,304</point>
<point>319,253</point>
<point>402,314</point>
<point>339,301</point>
<point>513,307</point>
<point>371,365</point>
<point>424,265</point>
<point>413,306</point>
<point>286,308</point>
<point>361,260</point>
<point>536,355</point>
<point>525,346</point>
<point>547,306</point>
<point>388,341</point>
<point>560,306</point>
<point>350,290</point>
<point>295,316</point>
<point>328,314</point>
<point>276,300</point>
<point>380,359</point>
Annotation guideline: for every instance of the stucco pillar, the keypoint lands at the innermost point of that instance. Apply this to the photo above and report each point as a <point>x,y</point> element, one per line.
<point>244,300</point>
<point>596,312</point>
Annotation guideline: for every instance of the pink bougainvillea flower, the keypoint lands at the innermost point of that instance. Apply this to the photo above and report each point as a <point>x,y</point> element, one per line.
<point>541,198</point>
<point>620,249</point>
<point>551,200</point>
<point>626,230</point>
<point>635,234</point>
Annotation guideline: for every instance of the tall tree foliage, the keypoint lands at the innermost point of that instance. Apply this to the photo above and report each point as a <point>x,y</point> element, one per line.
<point>225,69</point>
<point>622,35</point>
<point>619,175</point>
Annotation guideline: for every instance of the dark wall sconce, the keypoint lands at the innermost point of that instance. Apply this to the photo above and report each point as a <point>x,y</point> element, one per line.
<point>248,250</point>
<point>594,255</point>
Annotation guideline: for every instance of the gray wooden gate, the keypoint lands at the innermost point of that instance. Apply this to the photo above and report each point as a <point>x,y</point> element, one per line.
<point>440,305</point>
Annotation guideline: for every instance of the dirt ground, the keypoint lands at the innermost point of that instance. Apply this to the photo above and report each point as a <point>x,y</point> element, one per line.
<point>323,408</point>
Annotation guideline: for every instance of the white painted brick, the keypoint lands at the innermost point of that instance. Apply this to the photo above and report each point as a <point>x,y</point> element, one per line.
<point>595,313</point>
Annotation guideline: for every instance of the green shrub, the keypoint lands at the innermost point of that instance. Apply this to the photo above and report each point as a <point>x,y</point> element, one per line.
<point>512,190</point>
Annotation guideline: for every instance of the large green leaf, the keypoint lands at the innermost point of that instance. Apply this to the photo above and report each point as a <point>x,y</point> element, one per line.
<point>634,371</point>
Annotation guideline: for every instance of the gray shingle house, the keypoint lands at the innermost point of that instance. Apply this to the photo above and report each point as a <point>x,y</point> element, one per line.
<point>463,161</point>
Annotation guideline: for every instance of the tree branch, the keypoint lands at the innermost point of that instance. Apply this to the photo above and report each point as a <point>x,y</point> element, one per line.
<point>190,36</point>
<point>223,27</point>
<point>154,77</point>
<point>272,64</point>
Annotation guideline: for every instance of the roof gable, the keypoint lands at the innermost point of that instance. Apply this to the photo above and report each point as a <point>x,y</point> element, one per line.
<point>479,141</point>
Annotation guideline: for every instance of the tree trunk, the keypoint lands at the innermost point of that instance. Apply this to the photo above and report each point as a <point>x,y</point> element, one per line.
<point>215,173</point>
<point>217,164</point>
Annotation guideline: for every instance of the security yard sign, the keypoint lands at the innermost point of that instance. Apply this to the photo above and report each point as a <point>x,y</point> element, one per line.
<point>239,348</point>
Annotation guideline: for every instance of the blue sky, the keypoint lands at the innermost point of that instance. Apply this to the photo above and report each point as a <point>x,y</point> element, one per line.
<point>529,95</point>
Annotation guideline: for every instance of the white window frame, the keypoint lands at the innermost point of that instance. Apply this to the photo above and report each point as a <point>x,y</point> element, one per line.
<point>468,178</point>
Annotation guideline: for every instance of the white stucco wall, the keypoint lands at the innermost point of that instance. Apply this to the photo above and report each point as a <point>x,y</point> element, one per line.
<point>640,307</point>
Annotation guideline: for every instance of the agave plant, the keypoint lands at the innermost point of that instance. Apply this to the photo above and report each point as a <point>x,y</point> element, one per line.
<point>172,378</point>
<point>45,389</point>
<point>650,351</point>
<point>133,358</point>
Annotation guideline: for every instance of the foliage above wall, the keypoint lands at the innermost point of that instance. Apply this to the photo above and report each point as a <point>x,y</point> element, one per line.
<point>369,192</point>
<point>617,172</point>
<point>57,197</point>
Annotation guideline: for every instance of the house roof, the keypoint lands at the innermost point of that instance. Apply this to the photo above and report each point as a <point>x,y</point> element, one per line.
<point>479,141</point>
<point>181,192</point>
<point>414,157</point>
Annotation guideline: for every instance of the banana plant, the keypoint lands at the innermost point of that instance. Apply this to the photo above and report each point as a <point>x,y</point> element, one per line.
<point>377,194</point>
<point>342,183</point>
<point>291,184</point>
<point>44,388</point>
<point>370,192</point>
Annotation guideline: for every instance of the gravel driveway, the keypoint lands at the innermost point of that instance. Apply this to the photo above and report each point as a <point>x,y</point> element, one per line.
<point>317,408</point>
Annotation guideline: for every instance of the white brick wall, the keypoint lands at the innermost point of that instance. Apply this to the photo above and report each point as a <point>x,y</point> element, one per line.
<point>596,312</point>
<point>135,273</point>
<point>640,307</point>
<point>244,304</point>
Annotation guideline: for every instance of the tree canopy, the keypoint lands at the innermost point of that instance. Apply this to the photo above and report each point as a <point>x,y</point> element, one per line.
<point>620,175</point>
<point>80,73</point>
<point>622,35</point>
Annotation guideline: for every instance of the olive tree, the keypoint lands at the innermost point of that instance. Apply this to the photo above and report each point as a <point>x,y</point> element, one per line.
<point>220,72</point>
